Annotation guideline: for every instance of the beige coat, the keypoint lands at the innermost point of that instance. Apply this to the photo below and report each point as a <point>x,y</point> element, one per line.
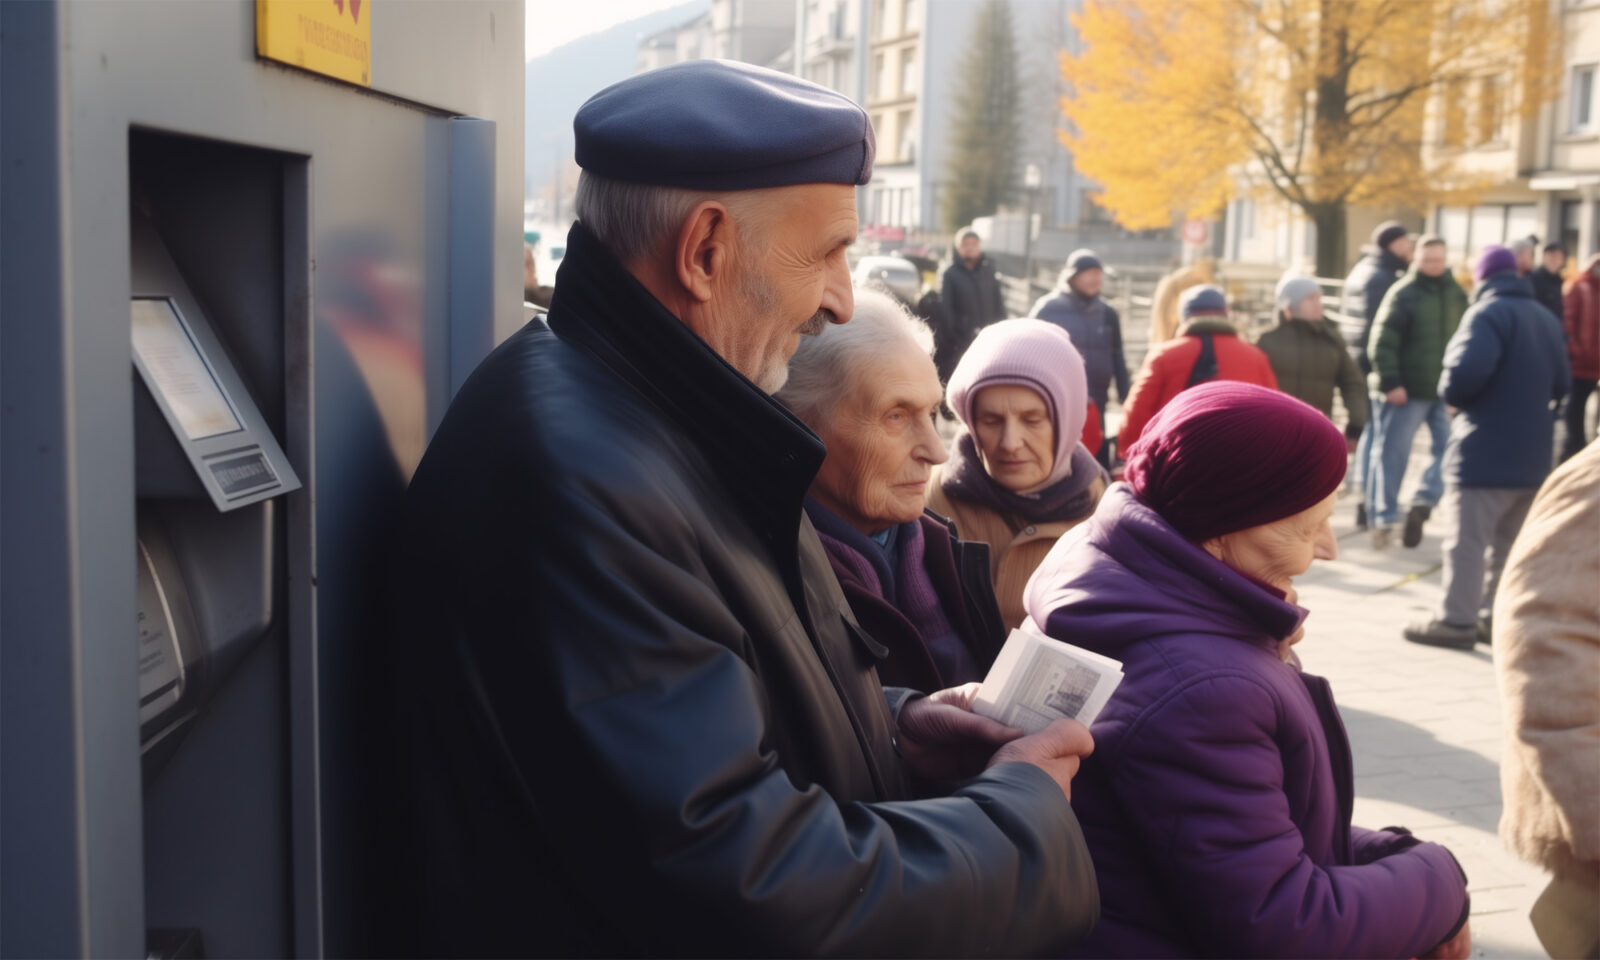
<point>1016,548</point>
<point>1547,654</point>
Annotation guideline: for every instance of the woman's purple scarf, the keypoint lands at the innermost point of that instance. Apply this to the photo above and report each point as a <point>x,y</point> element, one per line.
<point>1069,498</point>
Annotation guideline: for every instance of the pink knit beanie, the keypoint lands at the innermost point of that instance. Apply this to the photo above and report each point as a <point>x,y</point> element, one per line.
<point>1027,353</point>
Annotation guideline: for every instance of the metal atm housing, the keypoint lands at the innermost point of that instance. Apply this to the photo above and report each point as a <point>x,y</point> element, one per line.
<point>237,299</point>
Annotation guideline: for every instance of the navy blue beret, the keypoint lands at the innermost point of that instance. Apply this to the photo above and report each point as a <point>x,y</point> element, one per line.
<point>1202,302</point>
<point>722,125</point>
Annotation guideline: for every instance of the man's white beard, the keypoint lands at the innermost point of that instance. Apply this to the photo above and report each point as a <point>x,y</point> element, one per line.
<point>772,379</point>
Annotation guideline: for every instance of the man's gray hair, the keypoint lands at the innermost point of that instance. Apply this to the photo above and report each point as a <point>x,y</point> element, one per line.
<point>1531,244</point>
<point>824,365</point>
<point>638,219</point>
<point>631,219</point>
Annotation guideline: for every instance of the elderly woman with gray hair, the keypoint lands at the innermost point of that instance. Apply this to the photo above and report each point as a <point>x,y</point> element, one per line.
<point>870,391</point>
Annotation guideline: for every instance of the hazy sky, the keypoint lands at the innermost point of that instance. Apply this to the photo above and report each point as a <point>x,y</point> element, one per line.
<point>550,23</point>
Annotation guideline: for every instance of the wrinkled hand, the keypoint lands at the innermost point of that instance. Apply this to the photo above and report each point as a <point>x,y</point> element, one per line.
<point>1057,750</point>
<point>942,739</point>
<point>1397,396</point>
<point>1458,947</point>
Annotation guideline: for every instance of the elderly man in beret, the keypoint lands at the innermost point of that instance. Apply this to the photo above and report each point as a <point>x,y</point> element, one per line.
<point>639,716</point>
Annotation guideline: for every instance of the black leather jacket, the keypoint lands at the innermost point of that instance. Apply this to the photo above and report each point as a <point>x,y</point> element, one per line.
<point>640,717</point>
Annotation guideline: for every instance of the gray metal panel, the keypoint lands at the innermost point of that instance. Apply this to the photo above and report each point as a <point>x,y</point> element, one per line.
<point>471,245</point>
<point>41,894</point>
<point>68,494</point>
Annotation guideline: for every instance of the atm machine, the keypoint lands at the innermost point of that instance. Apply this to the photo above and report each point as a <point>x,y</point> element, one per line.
<point>250,250</point>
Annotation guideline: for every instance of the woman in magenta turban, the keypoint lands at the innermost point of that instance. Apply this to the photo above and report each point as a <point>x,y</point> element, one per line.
<point>1217,802</point>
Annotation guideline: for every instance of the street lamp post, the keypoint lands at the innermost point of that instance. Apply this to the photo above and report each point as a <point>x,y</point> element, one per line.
<point>1031,179</point>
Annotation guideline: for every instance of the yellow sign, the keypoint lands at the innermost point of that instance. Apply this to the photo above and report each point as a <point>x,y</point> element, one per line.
<point>330,37</point>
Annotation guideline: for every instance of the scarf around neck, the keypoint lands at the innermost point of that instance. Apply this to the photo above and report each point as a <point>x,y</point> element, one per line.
<point>1067,499</point>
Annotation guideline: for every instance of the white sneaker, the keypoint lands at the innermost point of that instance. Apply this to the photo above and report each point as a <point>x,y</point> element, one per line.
<point>1382,536</point>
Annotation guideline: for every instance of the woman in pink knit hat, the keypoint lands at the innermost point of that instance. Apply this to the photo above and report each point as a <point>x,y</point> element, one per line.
<point>1018,476</point>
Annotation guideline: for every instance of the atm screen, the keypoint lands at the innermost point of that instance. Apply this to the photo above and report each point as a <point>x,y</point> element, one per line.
<point>177,370</point>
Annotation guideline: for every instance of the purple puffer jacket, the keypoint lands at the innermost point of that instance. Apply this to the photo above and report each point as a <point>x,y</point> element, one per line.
<point>1217,801</point>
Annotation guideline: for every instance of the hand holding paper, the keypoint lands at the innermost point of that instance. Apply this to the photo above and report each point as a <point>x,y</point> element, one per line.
<point>1037,679</point>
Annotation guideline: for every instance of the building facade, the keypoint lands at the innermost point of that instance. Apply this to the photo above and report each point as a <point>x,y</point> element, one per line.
<point>1542,169</point>
<point>754,31</point>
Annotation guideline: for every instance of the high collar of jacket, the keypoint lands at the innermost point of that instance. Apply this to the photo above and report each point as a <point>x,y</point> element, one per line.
<point>1126,575</point>
<point>766,456</point>
<point>1503,284</point>
<point>1207,324</point>
<point>832,526</point>
<point>1381,257</point>
<point>1320,327</point>
<point>1443,281</point>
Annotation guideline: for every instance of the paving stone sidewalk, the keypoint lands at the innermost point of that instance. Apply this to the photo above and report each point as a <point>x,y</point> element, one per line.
<point>1424,723</point>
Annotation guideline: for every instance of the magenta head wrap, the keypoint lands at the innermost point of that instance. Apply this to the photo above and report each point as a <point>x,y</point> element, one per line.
<point>1027,353</point>
<point>1227,456</point>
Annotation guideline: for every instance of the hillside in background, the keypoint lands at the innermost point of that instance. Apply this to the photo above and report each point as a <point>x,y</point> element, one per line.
<point>557,83</point>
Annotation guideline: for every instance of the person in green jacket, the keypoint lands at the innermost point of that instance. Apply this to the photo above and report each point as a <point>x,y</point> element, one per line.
<point>1309,356</point>
<point>1418,316</point>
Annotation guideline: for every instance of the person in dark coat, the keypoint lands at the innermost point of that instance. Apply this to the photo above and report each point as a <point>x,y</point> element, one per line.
<point>971,296</point>
<point>1217,801</point>
<point>869,390</point>
<point>1381,264</point>
<point>1095,329</point>
<point>634,714</point>
<point>1503,369</point>
<point>1308,356</point>
<point>1546,277</point>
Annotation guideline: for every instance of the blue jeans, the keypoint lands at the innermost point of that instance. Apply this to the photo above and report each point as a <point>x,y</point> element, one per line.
<point>1393,428</point>
<point>1363,462</point>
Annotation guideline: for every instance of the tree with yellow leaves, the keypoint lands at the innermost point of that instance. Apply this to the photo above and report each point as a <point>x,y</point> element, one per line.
<point>1175,106</point>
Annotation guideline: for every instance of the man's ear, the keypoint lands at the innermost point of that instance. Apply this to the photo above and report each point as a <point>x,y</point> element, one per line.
<point>704,249</point>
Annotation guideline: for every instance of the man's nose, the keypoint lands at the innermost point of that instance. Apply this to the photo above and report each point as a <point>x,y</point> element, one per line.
<point>837,296</point>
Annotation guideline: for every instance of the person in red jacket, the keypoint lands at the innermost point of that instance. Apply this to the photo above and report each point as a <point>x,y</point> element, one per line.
<point>1581,321</point>
<point>1207,347</point>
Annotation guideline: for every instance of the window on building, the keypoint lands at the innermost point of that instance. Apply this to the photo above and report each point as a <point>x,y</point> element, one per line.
<point>1453,114</point>
<point>1522,220</point>
<point>1453,224</point>
<point>880,14</point>
<point>1582,97</point>
<point>880,75</point>
<point>1488,226</point>
<point>877,126</point>
<point>907,147</point>
<point>1491,111</point>
<point>818,73</point>
<point>908,71</point>
<point>1571,227</point>
<point>908,16</point>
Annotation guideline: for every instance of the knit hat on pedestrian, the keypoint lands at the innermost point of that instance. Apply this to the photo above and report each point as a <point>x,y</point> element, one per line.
<point>1494,259</point>
<point>1293,288</point>
<point>1081,260</point>
<point>1388,232</point>
<point>1203,301</point>
<point>1034,354</point>
<point>1226,456</point>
